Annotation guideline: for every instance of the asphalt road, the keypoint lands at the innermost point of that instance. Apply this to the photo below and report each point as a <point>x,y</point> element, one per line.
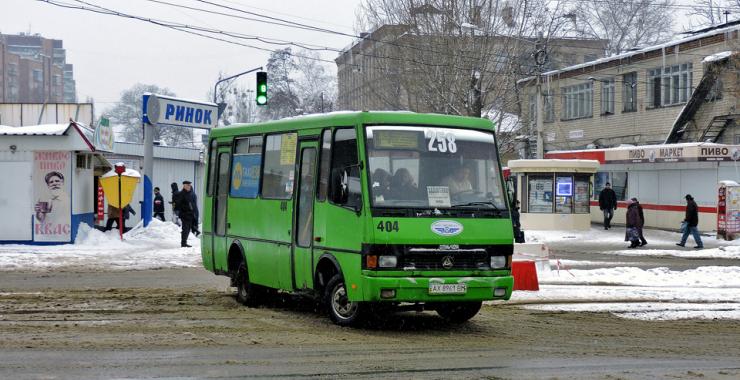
<point>184,323</point>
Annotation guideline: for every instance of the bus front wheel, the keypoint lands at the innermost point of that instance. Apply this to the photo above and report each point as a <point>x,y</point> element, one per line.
<point>458,312</point>
<point>342,311</point>
<point>246,293</point>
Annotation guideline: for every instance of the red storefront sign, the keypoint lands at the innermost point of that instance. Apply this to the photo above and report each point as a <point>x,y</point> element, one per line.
<point>101,203</point>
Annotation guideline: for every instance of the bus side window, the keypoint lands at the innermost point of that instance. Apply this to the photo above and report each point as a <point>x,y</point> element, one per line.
<point>211,174</point>
<point>345,189</point>
<point>324,167</point>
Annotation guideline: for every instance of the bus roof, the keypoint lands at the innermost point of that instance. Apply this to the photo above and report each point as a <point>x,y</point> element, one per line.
<point>347,118</point>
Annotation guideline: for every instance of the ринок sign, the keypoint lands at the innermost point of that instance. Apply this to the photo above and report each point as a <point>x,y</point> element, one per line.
<point>164,110</point>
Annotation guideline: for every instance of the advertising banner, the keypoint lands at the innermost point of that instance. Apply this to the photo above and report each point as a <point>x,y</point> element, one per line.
<point>104,136</point>
<point>245,176</point>
<point>51,187</point>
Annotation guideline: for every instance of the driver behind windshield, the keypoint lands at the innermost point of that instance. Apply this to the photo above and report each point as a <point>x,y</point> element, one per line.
<point>459,181</point>
<point>403,186</point>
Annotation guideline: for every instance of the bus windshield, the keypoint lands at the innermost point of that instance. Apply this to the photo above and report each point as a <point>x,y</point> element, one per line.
<point>433,167</point>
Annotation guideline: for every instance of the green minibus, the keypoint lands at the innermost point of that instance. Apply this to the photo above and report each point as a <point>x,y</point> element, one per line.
<point>366,211</point>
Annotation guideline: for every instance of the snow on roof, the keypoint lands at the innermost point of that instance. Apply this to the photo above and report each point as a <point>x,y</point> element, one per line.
<point>679,41</point>
<point>127,173</point>
<point>631,147</point>
<point>717,57</point>
<point>42,130</point>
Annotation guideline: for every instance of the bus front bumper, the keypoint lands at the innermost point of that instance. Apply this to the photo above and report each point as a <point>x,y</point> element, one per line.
<point>425,289</point>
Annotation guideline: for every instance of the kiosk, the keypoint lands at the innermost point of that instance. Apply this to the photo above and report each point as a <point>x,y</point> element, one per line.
<point>554,194</point>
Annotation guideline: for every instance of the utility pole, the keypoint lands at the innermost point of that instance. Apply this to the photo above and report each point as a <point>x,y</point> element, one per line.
<point>540,119</point>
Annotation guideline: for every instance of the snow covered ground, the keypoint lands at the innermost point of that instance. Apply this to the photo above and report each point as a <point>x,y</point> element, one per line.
<point>157,246</point>
<point>628,291</point>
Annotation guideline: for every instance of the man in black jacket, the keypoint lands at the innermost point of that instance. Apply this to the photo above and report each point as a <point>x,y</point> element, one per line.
<point>607,204</point>
<point>692,221</point>
<point>158,205</point>
<point>185,207</point>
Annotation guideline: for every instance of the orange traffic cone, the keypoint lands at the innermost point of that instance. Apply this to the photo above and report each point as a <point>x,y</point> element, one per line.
<point>525,275</point>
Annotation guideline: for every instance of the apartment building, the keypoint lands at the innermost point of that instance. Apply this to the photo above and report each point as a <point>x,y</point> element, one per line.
<point>681,91</point>
<point>33,69</point>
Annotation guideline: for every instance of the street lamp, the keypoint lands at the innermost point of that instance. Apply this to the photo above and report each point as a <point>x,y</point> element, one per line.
<point>215,88</point>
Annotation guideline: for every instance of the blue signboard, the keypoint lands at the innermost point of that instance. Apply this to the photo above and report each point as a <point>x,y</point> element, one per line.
<point>165,110</point>
<point>245,175</point>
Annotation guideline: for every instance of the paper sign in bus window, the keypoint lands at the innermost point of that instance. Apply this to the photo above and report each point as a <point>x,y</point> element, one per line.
<point>439,196</point>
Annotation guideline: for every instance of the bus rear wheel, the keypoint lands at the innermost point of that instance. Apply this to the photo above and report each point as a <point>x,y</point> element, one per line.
<point>342,311</point>
<point>458,312</point>
<point>246,292</point>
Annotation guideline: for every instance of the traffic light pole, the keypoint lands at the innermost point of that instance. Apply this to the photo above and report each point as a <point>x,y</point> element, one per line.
<point>215,87</point>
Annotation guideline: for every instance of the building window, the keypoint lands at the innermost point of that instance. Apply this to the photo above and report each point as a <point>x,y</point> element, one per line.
<point>670,85</point>
<point>629,92</point>
<point>37,76</point>
<point>607,97</point>
<point>578,101</point>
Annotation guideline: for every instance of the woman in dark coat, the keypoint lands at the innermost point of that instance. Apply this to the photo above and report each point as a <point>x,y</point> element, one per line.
<point>641,222</point>
<point>633,223</point>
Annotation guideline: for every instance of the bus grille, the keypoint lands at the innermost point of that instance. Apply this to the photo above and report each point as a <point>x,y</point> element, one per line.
<point>436,260</point>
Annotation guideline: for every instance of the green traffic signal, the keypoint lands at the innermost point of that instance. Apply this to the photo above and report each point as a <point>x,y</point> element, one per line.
<point>261,88</point>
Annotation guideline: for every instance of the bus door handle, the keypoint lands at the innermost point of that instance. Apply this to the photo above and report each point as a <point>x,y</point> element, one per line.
<point>317,239</point>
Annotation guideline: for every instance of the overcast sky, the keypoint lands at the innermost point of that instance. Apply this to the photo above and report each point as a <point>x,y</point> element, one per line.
<point>110,53</point>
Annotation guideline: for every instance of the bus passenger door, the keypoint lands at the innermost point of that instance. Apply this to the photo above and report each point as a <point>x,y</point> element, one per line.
<point>220,203</point>
<point>303,225</point>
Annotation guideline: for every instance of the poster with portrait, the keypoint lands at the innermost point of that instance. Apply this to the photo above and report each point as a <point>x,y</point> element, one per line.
<point>52,219</point>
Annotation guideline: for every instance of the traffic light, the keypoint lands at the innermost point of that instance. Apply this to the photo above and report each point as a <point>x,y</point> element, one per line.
<point>261,88</point>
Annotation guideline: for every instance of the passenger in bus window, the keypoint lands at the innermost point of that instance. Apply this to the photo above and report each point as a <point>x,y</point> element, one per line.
<point>381,183</point>
<point>459,181</point>
<point>403,185</point>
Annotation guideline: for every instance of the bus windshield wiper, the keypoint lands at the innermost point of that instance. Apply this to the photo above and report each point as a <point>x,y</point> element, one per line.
<point>478,203</point>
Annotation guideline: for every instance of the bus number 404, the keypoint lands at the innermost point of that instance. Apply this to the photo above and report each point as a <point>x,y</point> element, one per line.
<point>388,226</point>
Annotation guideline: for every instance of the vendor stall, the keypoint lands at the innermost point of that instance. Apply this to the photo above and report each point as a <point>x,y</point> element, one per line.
<point>554,194</point>
<point>48,174</point>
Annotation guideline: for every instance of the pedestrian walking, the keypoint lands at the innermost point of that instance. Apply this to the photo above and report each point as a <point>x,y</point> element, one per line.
<point>516,223</point>
<point>690,223</point>
<point>608,204</point>
<point>173,200</point>
<point>114,216</point>
<point>633,220</point>
<point>184,204</point>
<point>158,205</point>
<point>196,214</point>
<point>641,222</point>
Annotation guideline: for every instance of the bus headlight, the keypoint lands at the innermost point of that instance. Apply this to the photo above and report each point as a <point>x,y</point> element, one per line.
<point>387,261</point>
<point>498,262</point>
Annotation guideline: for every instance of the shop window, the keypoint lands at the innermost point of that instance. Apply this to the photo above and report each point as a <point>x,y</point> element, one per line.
<point>539,197</point>
<point>618,181</point>
<point>581,199</point>
<point>564,194</point>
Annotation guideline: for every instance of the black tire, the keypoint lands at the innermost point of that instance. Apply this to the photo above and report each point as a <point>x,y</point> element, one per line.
<point>246,292</point>
<point>458,312</point>
<point>342,311</point>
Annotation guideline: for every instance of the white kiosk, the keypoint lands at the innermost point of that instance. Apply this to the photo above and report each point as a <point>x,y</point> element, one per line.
<point>554,194</point>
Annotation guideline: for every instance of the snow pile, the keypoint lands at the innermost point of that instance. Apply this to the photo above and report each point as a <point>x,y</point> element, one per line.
<point>154,247</point>
<point>729,252</point>
<point>717,57</point>
<point>708,277</point>
<point>652,311</point>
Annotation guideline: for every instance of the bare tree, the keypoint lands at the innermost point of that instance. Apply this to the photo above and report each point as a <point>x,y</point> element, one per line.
<point>712,12</point>
<point>625,23</point>
<point>128,112</point>
<point>297,84</point>
<point>239,100</point>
